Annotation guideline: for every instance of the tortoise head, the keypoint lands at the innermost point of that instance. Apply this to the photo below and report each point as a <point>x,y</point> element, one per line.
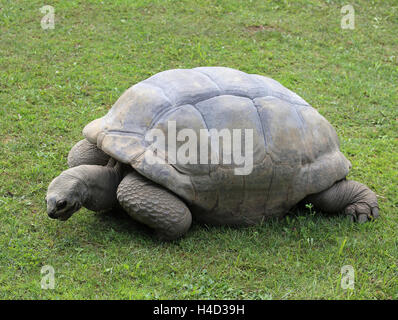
<point>64,196</point>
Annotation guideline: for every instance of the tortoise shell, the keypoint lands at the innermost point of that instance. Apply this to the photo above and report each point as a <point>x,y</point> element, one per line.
<point>295,149</point>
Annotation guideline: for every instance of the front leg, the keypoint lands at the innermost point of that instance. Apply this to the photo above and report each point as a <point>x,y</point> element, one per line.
<point>351,197</point>
<point>154,206</point>
<point>84,152</point>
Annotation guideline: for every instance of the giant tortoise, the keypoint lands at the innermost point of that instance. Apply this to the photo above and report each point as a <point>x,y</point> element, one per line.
<point>294,150</point>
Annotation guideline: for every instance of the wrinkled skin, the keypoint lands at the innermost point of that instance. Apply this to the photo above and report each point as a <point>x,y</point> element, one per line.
<point>65,196</point>
<point>352,198</point>
<point>91,186</point>
<point>100,188</point>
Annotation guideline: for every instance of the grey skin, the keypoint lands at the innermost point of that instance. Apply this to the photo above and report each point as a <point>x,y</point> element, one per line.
<point>102,188</point>
<point>90,186</point>
<point>296,156</point>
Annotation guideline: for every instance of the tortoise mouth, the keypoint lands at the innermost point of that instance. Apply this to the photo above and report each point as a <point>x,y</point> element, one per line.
<point>65,213</point>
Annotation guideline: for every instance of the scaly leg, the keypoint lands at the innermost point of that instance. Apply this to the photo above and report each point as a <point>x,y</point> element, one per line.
<point>155,206</point>
<point>353,198</point>
<point>84,152</point>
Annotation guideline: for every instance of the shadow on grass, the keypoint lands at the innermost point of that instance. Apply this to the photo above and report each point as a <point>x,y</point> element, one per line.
<point>298,223</point>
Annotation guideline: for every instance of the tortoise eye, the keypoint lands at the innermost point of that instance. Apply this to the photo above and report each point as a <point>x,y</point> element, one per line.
<point>61,204</point>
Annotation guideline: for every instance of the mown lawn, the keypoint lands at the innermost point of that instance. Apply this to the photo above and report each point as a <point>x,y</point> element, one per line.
<point>53,82</point>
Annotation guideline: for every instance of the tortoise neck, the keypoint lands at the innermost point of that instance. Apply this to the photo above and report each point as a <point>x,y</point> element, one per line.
<point>99,185</point>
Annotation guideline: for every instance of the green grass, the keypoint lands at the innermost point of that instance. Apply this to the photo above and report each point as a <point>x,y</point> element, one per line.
<point>53,82</point>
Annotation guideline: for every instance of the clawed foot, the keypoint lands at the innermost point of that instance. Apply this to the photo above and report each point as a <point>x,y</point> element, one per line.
<point>352,198</point>
<point>361,212</point>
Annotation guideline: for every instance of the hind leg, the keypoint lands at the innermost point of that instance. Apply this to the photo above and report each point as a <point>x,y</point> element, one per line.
<point>350,197</point>
<point>84,152</point>
<point>154,206</point>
